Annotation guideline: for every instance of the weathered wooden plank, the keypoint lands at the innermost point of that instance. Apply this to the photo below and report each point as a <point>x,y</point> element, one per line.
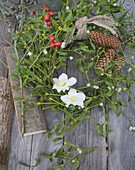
<point>20,149</point>
<point>3,69</point>
<point>4,31</point>
<point>121,140</point>
<point>34,121</point>
<point>6,104</point>
<point>27,149</point>
<point>53,5</point>
<point>41,144</point>
<point>96,160</point>
<point>6,117</point>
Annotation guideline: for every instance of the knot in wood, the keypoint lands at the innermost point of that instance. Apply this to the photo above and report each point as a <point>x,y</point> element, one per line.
<point>6,96</point>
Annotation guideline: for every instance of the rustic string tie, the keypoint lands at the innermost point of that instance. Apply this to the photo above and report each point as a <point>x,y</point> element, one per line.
<point>81,25</point>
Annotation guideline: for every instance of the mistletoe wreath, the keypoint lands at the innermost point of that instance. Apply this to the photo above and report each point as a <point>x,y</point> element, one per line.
<point>103,37</point>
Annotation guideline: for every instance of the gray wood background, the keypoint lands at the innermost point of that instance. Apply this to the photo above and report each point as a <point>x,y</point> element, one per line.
<point>121,154</point>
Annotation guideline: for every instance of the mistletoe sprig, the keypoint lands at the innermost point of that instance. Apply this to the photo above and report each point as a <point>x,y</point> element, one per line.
<point>74,160</point>
<point>42,37</point>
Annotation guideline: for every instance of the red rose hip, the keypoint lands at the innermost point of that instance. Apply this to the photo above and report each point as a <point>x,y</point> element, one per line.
<point>58,44</point>
<point>47,18</point>
<point>49,23</point>
<point>47,9</point>
<point>52,45</point>
<point>43,6</point>
<point>33,12</point>
<point>51,13</point>
<point>51,38</point>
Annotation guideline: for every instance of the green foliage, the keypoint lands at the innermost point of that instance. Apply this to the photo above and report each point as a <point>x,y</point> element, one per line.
<point>31,167</point>
<point>71,157</point>
<point>37,70</point>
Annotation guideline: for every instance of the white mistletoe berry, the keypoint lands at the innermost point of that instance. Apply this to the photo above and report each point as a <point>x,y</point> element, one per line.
<point>63,45</point>
<point>88,84</point>
<point>73,161</point>
<point>112,87</point>
<point>71,57</point>
<point>101,104</point>
<point>79,150</point>
<point>88,31</point>
<point>29,53</point>
<point>67,8</point>
<point>129,69</point>
<point>130,128</point>
<point>45,51</point>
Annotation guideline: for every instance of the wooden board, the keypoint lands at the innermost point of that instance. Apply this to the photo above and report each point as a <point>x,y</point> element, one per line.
<point>43,145</point>
<point>6,102</point>
<point>27,149</point>
<point>6,117</point>
<point>20,149</point>
<point>3,69</point>
<point>33,119</point>
<point>34,145</point>
<point>121,141</point>
<point>53,5</point>
<point>96,160</point>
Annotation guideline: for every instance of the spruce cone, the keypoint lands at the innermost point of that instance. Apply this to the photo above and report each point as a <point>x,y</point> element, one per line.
<point>121,60</point>
<point>105,59</point>
<point>99,38</point>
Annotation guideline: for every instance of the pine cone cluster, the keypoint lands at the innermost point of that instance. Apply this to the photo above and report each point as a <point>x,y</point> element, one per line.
<point>121,60</point>
<point>106,58</point>
<point>109,41</point>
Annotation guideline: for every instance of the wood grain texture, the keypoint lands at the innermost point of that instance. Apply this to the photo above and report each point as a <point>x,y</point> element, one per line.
<point>4,33</point>
<point>6,117</point>
<point>96,160</point>
<point>121,141</point>
<point>3,69</point>
<point>41,144</point>
<point>53,5</point>
<point>34,120</point>
<point>29,148</point>
<point>6,102</point>
<point>20,149</point>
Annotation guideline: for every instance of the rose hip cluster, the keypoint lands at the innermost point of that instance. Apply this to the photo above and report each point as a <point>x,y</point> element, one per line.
<point>54,44</point>
<point>47,16</point>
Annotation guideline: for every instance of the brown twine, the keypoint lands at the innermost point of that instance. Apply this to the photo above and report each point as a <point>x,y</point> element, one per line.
<point>81,25</point>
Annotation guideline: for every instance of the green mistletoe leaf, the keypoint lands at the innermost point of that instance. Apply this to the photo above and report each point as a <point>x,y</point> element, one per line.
<point>69,18</point>
<point>100,129</point>
<point>55,167</point>
<point>68,29</point>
